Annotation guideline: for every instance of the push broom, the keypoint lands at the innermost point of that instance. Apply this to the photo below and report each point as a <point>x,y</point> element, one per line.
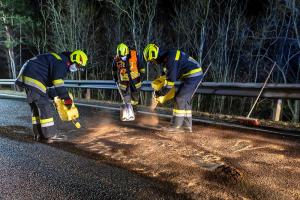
<point>254,121</point>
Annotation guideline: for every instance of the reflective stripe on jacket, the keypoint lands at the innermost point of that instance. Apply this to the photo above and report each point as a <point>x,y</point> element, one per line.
<point>124,84</point>
<point>178,65</point>
<point>128,72</point>
<point>44,71</point>
<point>133,67</point>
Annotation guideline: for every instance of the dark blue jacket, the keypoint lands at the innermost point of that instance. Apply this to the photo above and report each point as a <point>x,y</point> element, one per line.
<point>45,71</point>
<point>178,65</point>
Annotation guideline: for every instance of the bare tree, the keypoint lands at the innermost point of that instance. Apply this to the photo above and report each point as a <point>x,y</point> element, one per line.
<point>72,24</point>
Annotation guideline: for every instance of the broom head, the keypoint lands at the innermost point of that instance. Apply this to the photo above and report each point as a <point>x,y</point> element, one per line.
<point>248,121</point>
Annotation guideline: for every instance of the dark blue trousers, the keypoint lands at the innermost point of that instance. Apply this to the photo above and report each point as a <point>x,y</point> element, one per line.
<point>42,119</point>
<point>182,112</point>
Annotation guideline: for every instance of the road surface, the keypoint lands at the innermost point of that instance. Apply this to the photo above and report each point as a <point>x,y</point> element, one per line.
<point>210,163</point>
<point>32,170</point>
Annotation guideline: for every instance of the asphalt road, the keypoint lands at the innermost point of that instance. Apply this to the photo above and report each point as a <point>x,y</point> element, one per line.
<point>14,112</point>
<point>31,170</point>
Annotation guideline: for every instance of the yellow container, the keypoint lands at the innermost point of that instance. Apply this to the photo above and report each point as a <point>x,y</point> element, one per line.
<point>158,84</point>
<point>66,114</point>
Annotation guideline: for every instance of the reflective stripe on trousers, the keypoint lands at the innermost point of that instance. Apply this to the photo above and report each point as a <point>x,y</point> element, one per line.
<point>35,120</point>
<point>47,122</point>
<point>41,109</point>
<point>182,112</point>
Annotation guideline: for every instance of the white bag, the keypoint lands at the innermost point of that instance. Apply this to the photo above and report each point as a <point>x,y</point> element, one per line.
<point>126,112</point>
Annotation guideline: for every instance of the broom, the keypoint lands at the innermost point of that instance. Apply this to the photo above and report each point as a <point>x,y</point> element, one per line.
<point>254,121</point>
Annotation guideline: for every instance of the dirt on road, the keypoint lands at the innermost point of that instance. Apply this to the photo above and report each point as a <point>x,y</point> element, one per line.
<point>210,163</point>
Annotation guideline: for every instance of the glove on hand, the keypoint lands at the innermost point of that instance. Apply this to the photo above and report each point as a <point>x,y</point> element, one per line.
<point>158,93</point>
<point>68,103</point>
<point>51,93</point>
<point>162,92</point>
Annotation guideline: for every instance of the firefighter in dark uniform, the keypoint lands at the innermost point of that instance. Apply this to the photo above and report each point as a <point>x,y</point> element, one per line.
<point>42,75</point>
<point>178,66</point>
<point>128,72</point>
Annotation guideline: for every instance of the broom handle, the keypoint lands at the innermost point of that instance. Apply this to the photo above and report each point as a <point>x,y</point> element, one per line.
<point>120,92</point>
<point>260,92</point>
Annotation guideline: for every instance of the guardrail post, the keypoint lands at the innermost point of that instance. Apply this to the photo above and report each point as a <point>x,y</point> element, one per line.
<point>297,111</point>
<point>88,94</point>
<point>277,110</point>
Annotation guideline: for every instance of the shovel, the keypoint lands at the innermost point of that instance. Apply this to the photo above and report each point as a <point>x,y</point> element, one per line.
<point>126,109</point>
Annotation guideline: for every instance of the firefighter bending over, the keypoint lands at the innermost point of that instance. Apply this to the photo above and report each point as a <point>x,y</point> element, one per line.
<point>42,75</point>
<point>178,66</point>
<point>127,73</point>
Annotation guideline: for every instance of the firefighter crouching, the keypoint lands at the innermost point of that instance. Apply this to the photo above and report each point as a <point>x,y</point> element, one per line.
<point>42,77</point>
<point>127,73</point>
<point>178,66</point>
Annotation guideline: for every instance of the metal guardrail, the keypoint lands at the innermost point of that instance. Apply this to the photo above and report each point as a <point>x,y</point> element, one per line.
<point>275,91</point>
<point>278,131</point>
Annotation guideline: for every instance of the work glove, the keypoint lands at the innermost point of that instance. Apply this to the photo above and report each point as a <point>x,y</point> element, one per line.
<point>162,92</point>
<point>68,103</point>
<point>51,93</point>
<point>51,97</point>
<point>157,93</point>
<point>161,95</point>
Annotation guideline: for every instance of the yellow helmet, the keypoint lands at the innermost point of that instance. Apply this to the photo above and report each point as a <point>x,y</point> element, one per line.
<point>79,57</point>
<point>122,50</point>
<point>151,52</point>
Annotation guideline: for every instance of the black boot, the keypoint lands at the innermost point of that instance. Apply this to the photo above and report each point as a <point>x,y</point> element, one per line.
<point>36,132</point>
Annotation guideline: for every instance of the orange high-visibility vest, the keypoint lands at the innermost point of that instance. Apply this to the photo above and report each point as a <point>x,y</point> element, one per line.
<point>133,67</point>
<point>133,61</point>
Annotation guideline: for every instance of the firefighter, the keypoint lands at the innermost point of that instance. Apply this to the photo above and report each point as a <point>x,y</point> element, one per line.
<point>127,71</point>
<point>42,77</point>
<point>178,66</point>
